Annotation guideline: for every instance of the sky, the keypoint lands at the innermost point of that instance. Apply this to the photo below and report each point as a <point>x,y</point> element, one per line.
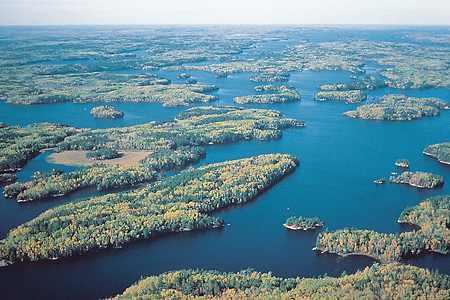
<point>118,12</point>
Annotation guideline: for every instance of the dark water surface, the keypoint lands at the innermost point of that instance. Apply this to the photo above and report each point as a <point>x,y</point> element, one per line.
<point>340,158</point>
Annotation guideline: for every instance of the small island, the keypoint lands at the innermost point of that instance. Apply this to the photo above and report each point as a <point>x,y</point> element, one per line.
<point>399,108</point>
<point>284,94</point>
<point>183,76</point>
<point>300,223</point>
<point>439,151</point>
<point>356,96</point>
<point>402,162</point>
<point>106,112</point>
<point>270,77</point>
<point>420,179</point>
<point>191,81</point>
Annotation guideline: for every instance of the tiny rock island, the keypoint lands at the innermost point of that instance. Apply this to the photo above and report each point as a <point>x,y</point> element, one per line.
<point>380,180</point>
<point>300,223</point>
<point>420,179</point>
<point>106,112</point>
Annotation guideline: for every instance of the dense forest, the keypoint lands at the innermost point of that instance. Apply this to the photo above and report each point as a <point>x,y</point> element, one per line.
<point>391,281</point>
<point>439,151</point>
<point>432,216</point>
<point>399,108</point>
<point>175,203</point>
<point>420,179</point>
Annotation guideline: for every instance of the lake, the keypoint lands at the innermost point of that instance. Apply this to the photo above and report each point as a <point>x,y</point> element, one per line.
<point>340,158</point>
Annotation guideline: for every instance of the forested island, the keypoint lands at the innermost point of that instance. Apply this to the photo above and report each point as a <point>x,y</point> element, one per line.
<point>354,96</point>
<point>270,77</point>
<point>284,94</point>
<point>392,281</point>
<point>174,145</point>
<point>176,203</point>
<point>368,83</point>
<point>106,112</point>
<point>439,151</point>
<point>431,216</point>
<point>402,162</point>
<point>399,108</point>
<point>420,179</point>
<point>301,223</point>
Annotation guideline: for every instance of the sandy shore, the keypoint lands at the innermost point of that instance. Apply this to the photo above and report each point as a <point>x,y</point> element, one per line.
<point>78,158</point>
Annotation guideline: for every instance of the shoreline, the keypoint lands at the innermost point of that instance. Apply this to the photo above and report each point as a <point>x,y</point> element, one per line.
<point>300,228</point>
<point>441,161</point>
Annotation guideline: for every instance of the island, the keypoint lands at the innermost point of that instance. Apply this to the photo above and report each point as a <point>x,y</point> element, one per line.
<point>300,223</point>
<point>431,216</point>
<point>402,163</point>
<point>183,76</point>
<point>106,112</point>
<point>399,108</point>
<point>284,94</point>
<point>420,179</point>
<point>166,146</point>
<point>439,151</point>
<point>368,83</point>
<point>177,203</point>
<point>191,81</point>
<point>389,280</point>
<point>270,77</point>
<point>356,96</point>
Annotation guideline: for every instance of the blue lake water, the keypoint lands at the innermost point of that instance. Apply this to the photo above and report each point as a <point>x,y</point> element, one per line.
<point>339,159</point>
